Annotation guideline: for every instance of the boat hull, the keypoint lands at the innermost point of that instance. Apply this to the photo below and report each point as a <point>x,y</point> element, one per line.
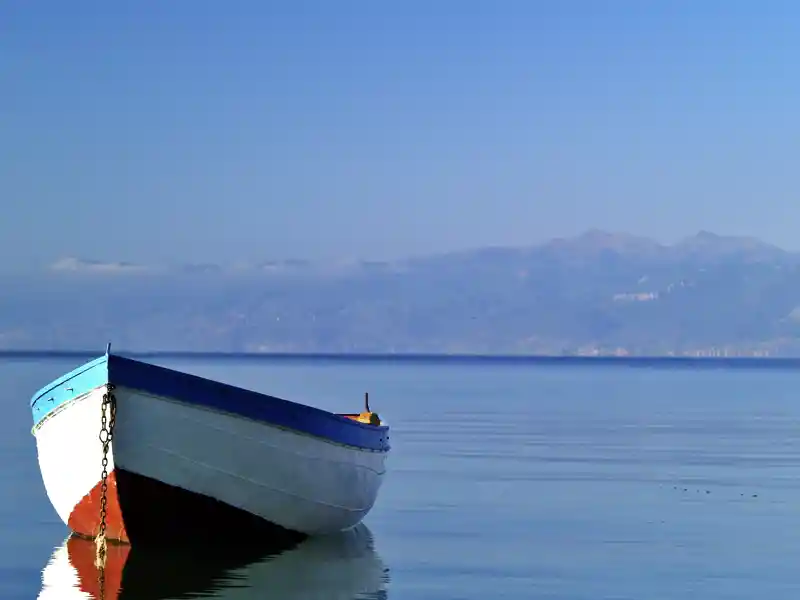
<point>70,460</point>
<point>179,468</point>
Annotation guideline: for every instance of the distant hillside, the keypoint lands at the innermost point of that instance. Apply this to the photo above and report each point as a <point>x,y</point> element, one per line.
<point>598,293</point>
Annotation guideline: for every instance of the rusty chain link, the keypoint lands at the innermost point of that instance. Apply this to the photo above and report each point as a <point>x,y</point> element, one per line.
<point>109,404</point>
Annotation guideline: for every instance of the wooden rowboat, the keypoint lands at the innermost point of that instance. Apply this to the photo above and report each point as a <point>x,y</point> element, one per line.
<point>133,451</point>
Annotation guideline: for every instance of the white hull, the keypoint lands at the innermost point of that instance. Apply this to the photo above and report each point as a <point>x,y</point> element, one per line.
<point>70,452</point>
<point>297,481</point>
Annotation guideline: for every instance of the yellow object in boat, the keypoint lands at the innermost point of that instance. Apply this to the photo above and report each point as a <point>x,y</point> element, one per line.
<point>367,416</point>
<point>370,418</point>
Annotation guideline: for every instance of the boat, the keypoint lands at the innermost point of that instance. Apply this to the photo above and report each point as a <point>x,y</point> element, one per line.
<point>135,452</point>
<point>339,566</point>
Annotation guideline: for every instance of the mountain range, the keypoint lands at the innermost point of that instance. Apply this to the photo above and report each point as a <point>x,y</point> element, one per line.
<point>598,293</point>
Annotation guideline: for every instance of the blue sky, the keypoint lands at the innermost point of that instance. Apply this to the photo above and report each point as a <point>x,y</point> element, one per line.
<point>192,131</point>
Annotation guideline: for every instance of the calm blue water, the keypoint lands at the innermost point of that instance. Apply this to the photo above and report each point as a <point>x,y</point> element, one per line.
<point>511,481</point>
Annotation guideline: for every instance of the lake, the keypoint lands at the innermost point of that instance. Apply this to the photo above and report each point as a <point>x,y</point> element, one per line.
<point>505,480</point>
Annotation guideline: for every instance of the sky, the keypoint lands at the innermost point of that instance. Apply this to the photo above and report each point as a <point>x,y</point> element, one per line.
<point>199,131</point>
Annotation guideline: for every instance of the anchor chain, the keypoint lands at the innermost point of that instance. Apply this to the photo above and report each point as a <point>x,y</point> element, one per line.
<point>107,422</point>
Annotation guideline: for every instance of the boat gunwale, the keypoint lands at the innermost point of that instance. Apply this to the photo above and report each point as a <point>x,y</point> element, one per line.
<point>377,439</point>
<point>67,404</point>
<point>239,391</point>
<point>62,379</point>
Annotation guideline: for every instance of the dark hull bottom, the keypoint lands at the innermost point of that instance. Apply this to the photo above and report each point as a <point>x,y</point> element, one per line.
<point>144,511</point>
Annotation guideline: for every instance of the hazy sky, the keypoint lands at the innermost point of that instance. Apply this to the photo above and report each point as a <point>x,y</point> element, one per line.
<point>193,130</point>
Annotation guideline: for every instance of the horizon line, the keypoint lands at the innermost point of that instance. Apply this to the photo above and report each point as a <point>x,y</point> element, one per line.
<point>556,359</point>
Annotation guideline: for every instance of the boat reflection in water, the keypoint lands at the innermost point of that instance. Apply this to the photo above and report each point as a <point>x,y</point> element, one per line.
<point>339,566</point>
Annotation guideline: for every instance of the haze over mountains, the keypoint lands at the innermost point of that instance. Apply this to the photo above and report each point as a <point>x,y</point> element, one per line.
<point>598,293</point>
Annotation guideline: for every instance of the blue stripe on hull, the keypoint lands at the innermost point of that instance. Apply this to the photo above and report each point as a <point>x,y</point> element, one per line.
<point>198,391</point>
